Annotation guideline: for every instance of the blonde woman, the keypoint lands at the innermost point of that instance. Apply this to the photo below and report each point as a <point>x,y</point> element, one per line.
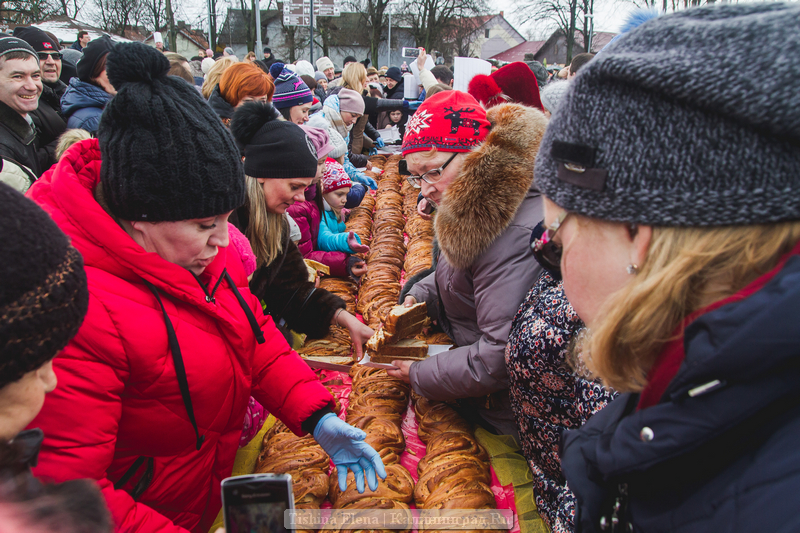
<point>280,163</point>
<point>364,136</point>
<point>215,74</point>
<point>673,214</point>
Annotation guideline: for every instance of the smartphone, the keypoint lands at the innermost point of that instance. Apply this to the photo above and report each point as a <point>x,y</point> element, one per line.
<point>410,52</point>
<point>256,502</point>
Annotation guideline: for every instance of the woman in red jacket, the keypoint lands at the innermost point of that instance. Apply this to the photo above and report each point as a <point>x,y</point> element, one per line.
<point>154,387</point>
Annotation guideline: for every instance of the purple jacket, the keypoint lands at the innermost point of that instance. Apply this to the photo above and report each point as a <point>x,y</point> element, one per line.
<point>308,217</point>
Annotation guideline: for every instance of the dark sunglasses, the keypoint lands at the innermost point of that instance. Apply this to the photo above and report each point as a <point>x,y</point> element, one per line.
<point>416,181</point>
<point>44,55</point>
<point>546,252</point>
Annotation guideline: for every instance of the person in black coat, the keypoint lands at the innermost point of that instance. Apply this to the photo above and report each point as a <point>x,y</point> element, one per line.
<point>47,116</point>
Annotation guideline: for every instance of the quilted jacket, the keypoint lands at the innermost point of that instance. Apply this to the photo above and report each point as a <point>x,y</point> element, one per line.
<point>119,402</point>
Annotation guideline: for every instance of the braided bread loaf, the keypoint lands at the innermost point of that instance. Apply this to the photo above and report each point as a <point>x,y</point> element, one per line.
<point>398,486</point>
<point>441,418</point>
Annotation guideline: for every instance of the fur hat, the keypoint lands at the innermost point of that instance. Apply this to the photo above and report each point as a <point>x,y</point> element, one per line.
<point>273,148</point>
<point>351,102</point>
<point>92,53</point>
<point>335,177</point>
<point>324,63</point>
<point>39,40</point>
<point>166,155</point>
<point>44,294</point>
<point>514,82</point>
<point>610,151</point>
<point>450,121</point>
<point>290,90</point>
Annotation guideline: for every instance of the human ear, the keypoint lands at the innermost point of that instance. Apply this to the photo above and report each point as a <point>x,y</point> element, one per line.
<point>641,243</point>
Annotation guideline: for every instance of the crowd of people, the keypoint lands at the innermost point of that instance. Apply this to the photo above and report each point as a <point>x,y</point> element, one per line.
<point>615,260</point>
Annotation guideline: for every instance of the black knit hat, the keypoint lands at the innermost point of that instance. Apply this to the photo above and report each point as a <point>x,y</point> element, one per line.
<point>667,126</point>
<point>349,59</point>
<point>15,44</point>
<point>93,53</point>
<point>39,40</point>
<point>43,296</point>
<point>273,148</point>
<point>166,154</point>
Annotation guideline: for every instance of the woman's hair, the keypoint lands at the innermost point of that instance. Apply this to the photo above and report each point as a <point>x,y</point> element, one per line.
<point>99,67</point>
<point>179,66</point>
<point>265,229</point>
<point>685,270</point>
<point>215,73</point>
<point>286,113</point>
<point>354,76</point>
<point>371,71</point>
<point>68,138</point>
<point>249,55</point>
<point>244,79</point>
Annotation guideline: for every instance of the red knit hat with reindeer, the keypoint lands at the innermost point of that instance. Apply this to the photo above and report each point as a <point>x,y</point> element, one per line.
<point>514,82</point>
<point>450,121</point>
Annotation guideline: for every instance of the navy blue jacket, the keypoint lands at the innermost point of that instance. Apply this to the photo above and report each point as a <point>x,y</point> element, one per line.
<point>82,105</point>
<point>721,458</point>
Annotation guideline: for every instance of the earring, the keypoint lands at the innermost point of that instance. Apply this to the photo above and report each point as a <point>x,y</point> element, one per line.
<point>632,269</point>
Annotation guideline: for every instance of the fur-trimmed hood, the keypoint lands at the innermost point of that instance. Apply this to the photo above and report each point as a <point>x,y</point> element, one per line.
<point>496,177</point>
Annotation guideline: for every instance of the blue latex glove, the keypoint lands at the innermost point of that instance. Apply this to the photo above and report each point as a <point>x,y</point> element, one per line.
<point>380,142</point>
<point>373,151</point>
<point>345,444</point>
<point>366,180</point>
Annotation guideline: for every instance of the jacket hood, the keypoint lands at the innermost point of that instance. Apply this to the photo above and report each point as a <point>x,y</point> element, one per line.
<point>80,94</point>
<point>219,104</point>
<point>69,189</point>
<point>496,177</point>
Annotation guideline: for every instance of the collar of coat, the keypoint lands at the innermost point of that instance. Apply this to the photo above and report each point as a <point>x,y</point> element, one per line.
<point>17,124</point>
<point>483,199</point>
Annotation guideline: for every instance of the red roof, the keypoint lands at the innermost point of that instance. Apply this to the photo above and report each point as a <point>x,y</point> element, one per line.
<point>517,53</point>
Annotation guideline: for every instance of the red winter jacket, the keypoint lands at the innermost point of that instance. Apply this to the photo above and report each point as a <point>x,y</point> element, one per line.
<point>307,216</point>
<point>118,398</point>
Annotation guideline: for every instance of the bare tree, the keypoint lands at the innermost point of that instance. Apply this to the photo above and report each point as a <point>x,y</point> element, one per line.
<point>432,21</point>
<point>374,17</point>
<point>71,8</point>
<point>27,11</point>
<point>563,13</point>
<point>115,16</point>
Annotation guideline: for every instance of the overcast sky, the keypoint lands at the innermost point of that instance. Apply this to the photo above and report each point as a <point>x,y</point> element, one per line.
<point>609,14</point>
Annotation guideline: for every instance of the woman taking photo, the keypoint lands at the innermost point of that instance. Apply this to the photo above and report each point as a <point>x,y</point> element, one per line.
<point>683,261</point>
<point>153,388</point>
<point>280,164</point>
<point>480,178</point>
<point>87,95</point>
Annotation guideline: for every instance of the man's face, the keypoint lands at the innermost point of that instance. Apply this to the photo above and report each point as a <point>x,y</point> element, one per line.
<point>390,83</point>
<point>329,73</point>
<point>20,84</point>
<point>50,63</point>
<point>85,40</point>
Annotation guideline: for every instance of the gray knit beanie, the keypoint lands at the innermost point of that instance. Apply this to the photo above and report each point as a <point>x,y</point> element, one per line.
<point>669,127</point>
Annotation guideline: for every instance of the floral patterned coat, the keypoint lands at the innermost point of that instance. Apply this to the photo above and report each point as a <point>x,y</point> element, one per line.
<point>547,394</point>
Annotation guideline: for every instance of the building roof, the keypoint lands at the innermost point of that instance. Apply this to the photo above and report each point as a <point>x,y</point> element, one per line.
<point>517,53</point>
<point>599,39</point>
<point>195,36</point>
<point>66,29</point>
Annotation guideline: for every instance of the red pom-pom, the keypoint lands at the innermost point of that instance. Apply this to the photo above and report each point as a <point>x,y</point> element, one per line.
<point>484,89</point>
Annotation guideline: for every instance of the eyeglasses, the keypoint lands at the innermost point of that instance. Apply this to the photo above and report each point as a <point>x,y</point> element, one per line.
<point>44,55</point>
<point>416,181</point>
<point>547,252</point>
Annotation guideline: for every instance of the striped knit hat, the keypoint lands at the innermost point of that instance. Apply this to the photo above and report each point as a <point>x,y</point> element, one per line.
<point>290,90</point>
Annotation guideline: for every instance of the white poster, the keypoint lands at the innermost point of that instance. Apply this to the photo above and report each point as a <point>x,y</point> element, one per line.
<point>467,68</point>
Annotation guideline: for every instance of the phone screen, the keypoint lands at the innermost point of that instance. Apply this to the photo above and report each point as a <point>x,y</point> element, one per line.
<point>255,507</point>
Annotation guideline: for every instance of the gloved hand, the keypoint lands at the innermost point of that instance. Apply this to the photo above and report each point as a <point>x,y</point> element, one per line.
<point>345,444</point>
<point>373,151</point>
<point>414,105</point>
<point>357,247</point>
<point>366,180</point>
<point>380,142</point>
